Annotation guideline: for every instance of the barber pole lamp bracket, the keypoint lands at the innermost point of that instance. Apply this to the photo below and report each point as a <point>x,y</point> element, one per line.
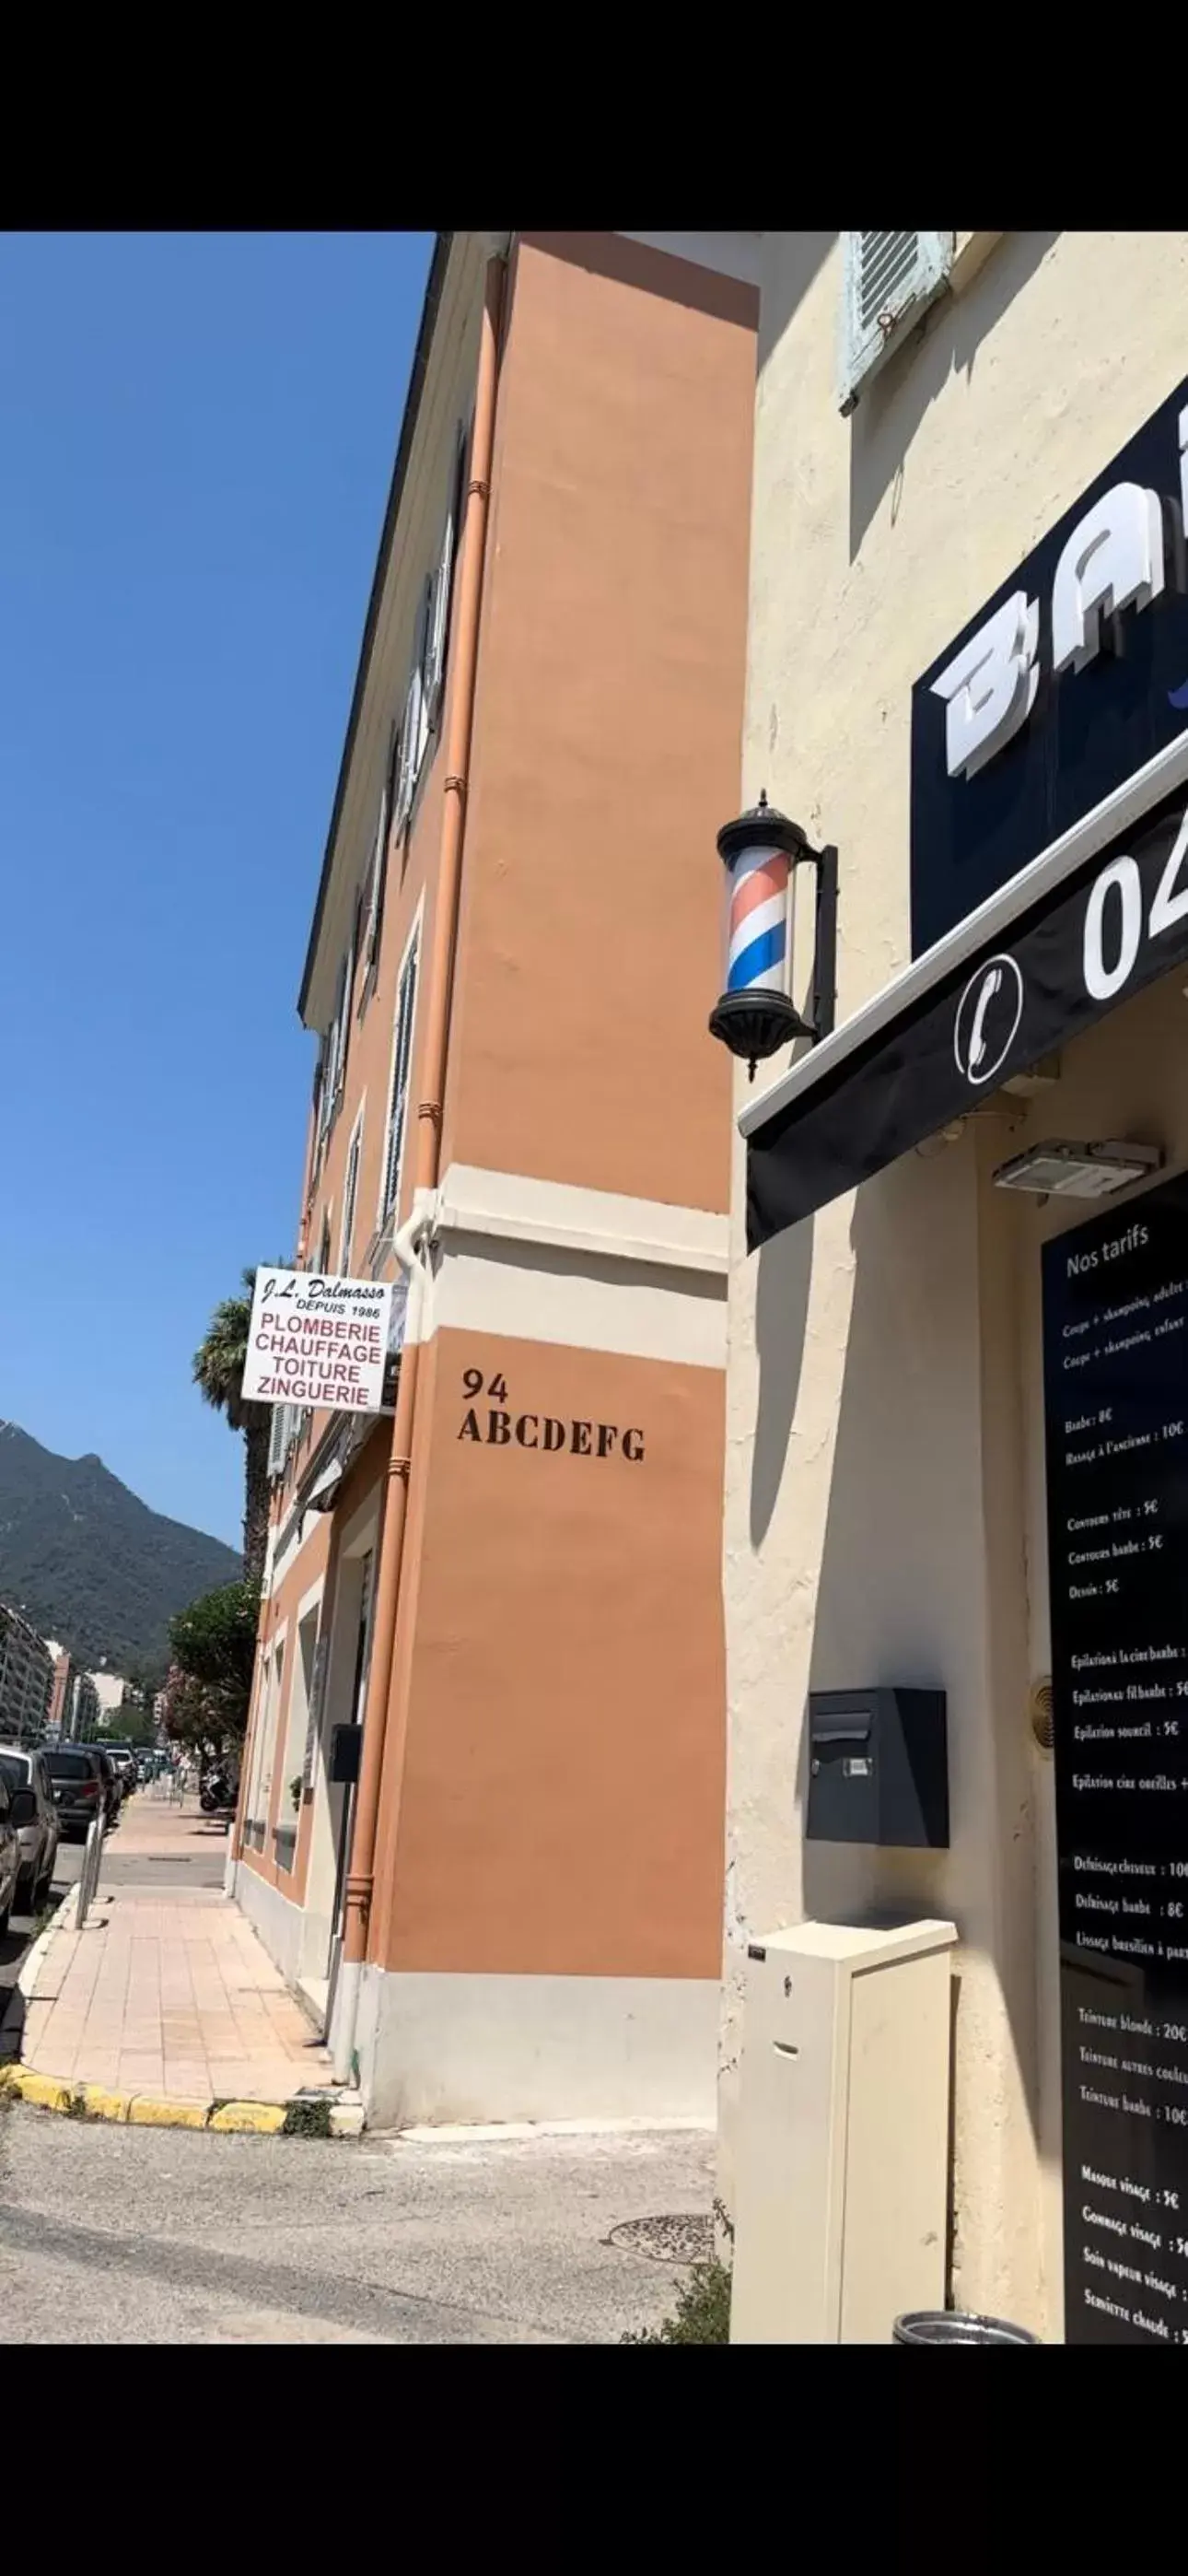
<point>756,1015</point>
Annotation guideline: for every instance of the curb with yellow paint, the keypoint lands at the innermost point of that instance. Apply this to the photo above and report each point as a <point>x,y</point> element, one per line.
<point>145,2110</point>
<point>154,2110</point>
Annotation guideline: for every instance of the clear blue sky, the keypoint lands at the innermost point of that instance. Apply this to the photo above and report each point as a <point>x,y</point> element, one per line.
<point>197,434</point>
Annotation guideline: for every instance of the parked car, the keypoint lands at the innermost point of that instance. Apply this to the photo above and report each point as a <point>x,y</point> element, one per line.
<point>35,1817</point>
<point>114,1780</point>
<point>10,1859</point>
<point>124,1760</point>
<point>84,1786</point>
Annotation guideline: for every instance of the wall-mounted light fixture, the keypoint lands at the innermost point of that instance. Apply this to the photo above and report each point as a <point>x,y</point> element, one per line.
<point>756,1013</point>
<point>1059,1170</point>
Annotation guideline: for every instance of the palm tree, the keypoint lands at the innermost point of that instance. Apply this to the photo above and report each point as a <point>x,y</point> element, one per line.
<point>218,1370</point>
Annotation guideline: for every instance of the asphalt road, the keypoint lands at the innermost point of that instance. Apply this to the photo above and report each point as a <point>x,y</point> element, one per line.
<point>113,2235</point>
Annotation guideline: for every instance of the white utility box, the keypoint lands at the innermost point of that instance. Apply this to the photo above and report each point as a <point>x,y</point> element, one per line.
<point>842,2168</point>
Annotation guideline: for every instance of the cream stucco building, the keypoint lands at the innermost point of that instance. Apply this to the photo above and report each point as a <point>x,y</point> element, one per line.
<point>885,1480</point>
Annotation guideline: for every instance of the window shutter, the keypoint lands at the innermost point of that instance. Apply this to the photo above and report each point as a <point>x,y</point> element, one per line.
<point>402,1055</point>
<point>424,635</point>
<point>330,1084</point>
<point>379,863</point>
<point>889,280</point>
<point>405,771</point>
<point>324,1084</point>
<point>439,618</point>
<point>276,1450</point>
<point>348,992</point>
<point>349,1196</point>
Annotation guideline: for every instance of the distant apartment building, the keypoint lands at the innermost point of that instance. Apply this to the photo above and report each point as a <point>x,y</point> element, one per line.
<point>74,1706</point>
<point>26,1677</point>
<point>481,1820</point>
<point>88,1714</point>
<point>109,1689</point>
<point>63,1673</point>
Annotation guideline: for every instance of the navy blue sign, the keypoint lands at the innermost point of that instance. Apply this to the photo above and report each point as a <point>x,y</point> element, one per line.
<point>1116,1418</point>
<point>1067,736</point>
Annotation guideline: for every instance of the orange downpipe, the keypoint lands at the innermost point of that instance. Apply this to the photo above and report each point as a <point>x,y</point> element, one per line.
<point>472,551</point>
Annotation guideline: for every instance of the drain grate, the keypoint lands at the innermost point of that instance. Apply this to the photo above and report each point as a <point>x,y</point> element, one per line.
<point>686,2236</point>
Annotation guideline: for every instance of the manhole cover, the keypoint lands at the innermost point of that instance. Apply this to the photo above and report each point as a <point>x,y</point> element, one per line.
<point>685,2237</point>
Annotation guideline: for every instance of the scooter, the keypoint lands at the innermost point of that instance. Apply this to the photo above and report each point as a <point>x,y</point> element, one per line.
<point>216,1793</point>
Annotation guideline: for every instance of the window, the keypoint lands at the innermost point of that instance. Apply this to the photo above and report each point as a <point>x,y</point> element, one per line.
<point>414,723</point>
<point>426,681</point>
<point>300,1701</point>
<point>442,595</point>
<point>379,871</point>
<point>336,1043</point>
<point>406,1003</point>
<point>286,1423</point>
<point>350,1193</point>
<point>889,280</point>
<point>276,1441</point>
<point>262,1751</point>
<point>317,1693</point>
<point>323,1260</point>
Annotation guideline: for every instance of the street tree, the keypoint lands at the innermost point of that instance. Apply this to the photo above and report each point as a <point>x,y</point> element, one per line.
<point>196,1717</point>
<point>209,1684</point>
<point>219,1364</point>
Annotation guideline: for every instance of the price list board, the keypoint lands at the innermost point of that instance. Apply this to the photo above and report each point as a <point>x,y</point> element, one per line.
<point>1115,1322</point>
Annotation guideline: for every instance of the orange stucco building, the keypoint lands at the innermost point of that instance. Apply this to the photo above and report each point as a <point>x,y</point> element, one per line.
<point>511,1585</point>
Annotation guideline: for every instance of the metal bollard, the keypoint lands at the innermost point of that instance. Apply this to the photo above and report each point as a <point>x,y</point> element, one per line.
<point>89,1875</point>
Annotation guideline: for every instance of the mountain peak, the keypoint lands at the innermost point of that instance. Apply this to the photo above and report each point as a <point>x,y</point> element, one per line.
<point>92,1564</point>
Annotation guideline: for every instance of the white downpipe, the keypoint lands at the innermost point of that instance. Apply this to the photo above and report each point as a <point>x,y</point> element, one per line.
<point>409,1248</point>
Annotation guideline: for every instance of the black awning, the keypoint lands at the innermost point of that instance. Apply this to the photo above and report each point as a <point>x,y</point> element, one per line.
<point>948,1035</point>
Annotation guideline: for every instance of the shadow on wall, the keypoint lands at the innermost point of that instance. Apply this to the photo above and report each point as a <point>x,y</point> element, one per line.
<point>900,1492</point>
<point>785,285</point>
<point>903,1593</point>
<point>781,1314</point>
<point>946,342</point>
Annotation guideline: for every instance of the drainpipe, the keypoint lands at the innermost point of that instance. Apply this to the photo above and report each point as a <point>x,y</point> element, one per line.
<point>439,986</point>
<point>235,1846</point>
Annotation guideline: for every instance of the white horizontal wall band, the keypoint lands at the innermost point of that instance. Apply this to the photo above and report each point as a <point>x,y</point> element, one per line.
<point>1157,778</point>
<point>511,1208</point>
<point>515,1293</point>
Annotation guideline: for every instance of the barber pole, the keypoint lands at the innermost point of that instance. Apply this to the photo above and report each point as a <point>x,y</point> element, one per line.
<point>757,944</point>
<point>755,1014</point>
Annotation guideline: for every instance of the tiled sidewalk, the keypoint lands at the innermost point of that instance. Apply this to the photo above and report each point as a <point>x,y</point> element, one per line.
<point>169,1993</point>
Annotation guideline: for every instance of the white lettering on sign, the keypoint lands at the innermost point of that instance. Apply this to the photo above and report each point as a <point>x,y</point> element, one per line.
<point>1122,879</point>
<point>318,1340</point>
<point>989,690</point>
<point>1114,917</point>
<point>1114,559</point>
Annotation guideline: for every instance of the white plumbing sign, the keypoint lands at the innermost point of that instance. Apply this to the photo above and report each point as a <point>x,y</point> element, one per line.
<point>318,1341</point>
